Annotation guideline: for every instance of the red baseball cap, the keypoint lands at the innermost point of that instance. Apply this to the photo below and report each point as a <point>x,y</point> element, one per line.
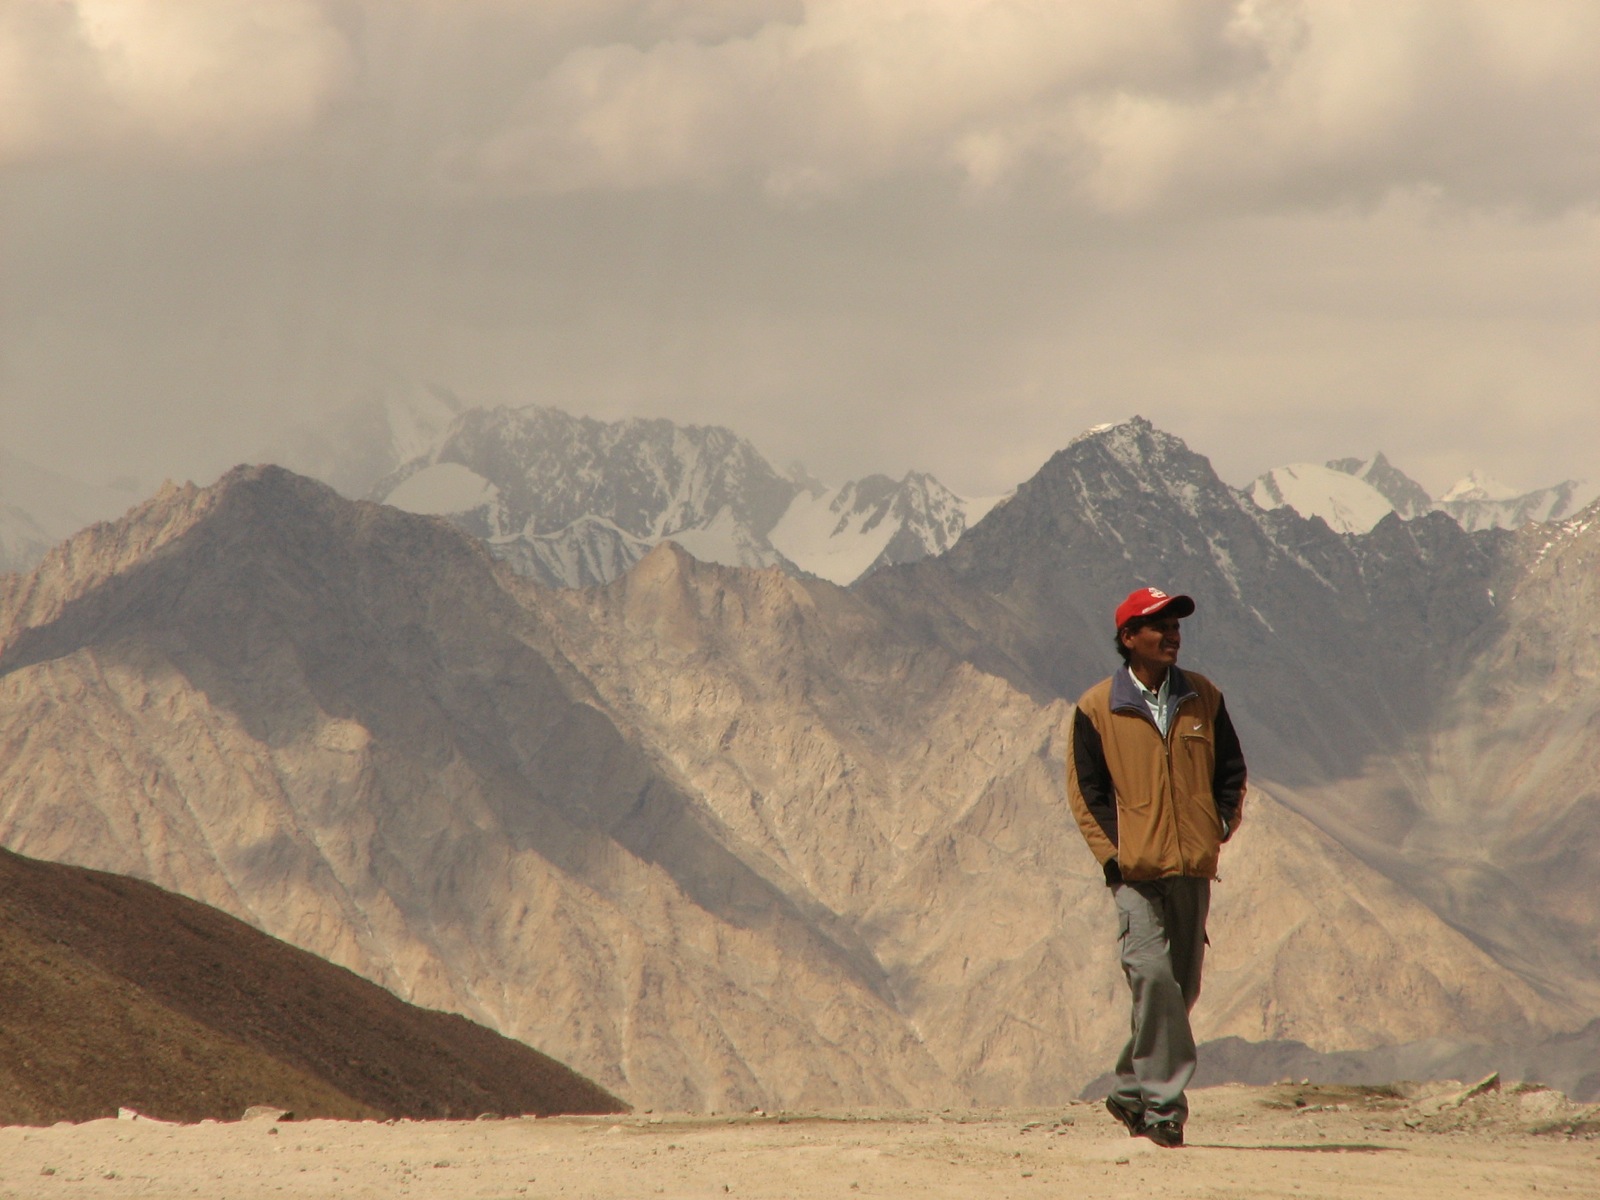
<point>1148,601</point>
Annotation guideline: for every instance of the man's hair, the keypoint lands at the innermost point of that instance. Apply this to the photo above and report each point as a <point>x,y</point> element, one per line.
<point>1132,626</point>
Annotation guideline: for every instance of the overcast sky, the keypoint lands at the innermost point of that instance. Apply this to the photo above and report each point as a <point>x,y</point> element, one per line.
<point>867,234</point>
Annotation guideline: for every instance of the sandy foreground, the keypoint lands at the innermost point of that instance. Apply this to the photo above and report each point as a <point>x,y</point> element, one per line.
<point>1244,1142</point>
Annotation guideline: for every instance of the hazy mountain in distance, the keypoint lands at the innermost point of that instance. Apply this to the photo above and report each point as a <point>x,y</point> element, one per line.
<point>1353,494</point>
<point>23,541</point>
<point>543,479</point>
<point>574,501</point>
<point>38,508</point>
<point>716,837</point>
<point>357,444</point>
<point>1568,1062</point>
<point>919,799</point>
<point>119,994</point>
<point>1478,502</point>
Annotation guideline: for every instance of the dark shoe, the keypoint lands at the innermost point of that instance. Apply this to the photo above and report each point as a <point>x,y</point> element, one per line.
<point>1168,1134</point>
<point>1126,1115</point>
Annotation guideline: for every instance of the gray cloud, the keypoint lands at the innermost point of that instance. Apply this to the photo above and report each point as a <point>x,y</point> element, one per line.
<point>183,77</point>
<point>1126,108</point>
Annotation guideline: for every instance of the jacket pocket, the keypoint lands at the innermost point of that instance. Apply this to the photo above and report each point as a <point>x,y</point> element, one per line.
<point>1200,753</point>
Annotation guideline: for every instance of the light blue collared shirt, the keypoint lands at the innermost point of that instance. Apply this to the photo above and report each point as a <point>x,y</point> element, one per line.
<point>1158,701</point>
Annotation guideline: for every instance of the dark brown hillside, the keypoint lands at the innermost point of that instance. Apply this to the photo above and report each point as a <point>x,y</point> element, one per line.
<point>114,993</point>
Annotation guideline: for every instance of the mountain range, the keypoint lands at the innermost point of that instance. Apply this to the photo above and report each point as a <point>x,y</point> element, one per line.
<point>573,501</point>
<point>725,836</point>
<point>1354,494</point>
<point>1391,687</point>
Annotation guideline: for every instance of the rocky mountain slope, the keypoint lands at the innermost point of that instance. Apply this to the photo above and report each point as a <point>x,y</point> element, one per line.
<point>723,837</point>
<point>1392,688</point>
<point>1327,646</point>
<point>118,994</point>
<point>334,721</point>
<point>931,818</point>
<point>1491,812</point>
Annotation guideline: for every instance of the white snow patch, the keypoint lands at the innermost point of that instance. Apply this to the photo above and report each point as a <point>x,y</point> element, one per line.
<point>1097,430</point>
<point>833,536</point>
<point>1347,504</point>
<point>816,538</point>
<point>1224,561</point>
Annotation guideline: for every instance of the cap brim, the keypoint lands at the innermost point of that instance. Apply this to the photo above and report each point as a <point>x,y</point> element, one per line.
<point>1178,606</point>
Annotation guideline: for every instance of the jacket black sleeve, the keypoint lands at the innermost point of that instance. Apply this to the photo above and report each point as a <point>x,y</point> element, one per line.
<point>1228,773</point>
<point>1094,784</point>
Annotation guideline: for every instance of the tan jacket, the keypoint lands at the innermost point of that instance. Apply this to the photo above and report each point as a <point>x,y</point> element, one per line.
<point>1152,807</point>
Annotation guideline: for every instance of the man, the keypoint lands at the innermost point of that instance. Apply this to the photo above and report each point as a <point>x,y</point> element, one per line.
<point>1156,777</point>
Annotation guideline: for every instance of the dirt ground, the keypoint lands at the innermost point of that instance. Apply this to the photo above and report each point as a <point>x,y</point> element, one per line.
<point>1288,1141</point>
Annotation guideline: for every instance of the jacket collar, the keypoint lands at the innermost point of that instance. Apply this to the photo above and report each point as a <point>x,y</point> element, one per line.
<point>1125,692</point>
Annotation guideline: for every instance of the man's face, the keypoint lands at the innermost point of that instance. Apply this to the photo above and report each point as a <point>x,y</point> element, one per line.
<point>1154,643</point>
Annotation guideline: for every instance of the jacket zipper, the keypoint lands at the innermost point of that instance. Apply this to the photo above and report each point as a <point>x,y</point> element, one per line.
<point>1172,787</point>
<point>1166,739</point>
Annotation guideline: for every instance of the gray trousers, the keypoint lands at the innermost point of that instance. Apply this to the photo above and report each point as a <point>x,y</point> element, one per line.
<point>1161,932</point>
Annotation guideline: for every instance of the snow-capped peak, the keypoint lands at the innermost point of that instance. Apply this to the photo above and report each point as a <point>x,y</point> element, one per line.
<point>1106,431</point>
<point>1346,503</point>
<point>1093,430</point>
